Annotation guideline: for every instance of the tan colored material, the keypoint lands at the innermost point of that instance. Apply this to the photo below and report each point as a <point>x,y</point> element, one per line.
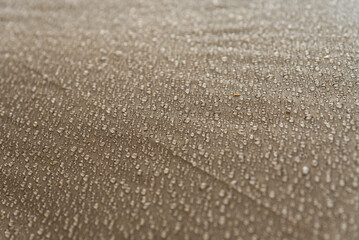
<point>179,119</point>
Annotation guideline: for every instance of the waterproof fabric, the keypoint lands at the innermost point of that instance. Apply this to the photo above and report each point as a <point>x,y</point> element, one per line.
<point>179,119</point>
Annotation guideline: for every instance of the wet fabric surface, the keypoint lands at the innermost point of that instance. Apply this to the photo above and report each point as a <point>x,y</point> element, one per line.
<point>179,119</point>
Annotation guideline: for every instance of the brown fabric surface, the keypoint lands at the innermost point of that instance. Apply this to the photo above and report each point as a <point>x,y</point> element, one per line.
<point>179,119</point>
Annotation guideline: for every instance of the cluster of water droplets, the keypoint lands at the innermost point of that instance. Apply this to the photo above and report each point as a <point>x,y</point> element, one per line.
<point>149,120</point>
